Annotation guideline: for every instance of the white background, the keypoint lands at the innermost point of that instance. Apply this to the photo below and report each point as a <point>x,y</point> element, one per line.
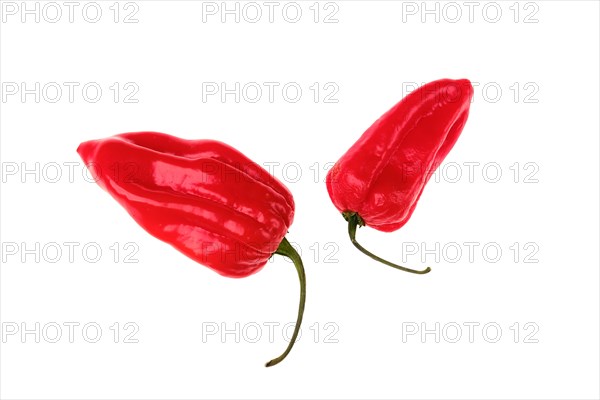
<point>371,55</point>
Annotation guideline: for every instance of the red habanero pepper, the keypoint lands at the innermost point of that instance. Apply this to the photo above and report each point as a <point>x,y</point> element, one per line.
<point>379,180</point>
<point>203,197</point>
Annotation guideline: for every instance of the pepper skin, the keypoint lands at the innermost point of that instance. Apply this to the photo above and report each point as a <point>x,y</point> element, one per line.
<point>203,197</point>
<point>379,180</point>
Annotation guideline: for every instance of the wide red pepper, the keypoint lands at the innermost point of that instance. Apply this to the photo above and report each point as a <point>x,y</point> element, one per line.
<point>203,197</point>
<point>379,180</point>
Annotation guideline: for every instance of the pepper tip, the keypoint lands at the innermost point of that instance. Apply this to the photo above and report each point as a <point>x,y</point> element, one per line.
<point>87,149</point>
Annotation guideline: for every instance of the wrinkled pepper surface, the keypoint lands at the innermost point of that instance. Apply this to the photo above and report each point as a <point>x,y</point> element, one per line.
<point>379,180</point>
<point>203,197</point>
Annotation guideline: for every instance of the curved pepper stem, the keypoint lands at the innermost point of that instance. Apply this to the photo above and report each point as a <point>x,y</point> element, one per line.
<point>355,220</point>
<point>286,249</point>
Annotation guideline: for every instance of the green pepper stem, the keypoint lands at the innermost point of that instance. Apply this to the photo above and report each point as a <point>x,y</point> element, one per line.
<point>355,220</point>
<point>286,249</point>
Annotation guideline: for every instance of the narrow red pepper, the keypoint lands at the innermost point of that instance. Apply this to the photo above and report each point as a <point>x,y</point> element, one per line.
<point>203,197</point>
<point>379,180</point>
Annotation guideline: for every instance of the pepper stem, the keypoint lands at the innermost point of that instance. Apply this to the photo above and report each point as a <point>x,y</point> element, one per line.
<point>286,249</point>
<point>355,220</point>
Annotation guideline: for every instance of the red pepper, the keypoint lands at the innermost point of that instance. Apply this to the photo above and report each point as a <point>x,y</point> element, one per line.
<point>203,197</point>
<point>379,180</point>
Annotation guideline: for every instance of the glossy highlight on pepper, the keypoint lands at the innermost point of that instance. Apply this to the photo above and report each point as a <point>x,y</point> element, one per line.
<point>380,179</point>
<point>203,197</point>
